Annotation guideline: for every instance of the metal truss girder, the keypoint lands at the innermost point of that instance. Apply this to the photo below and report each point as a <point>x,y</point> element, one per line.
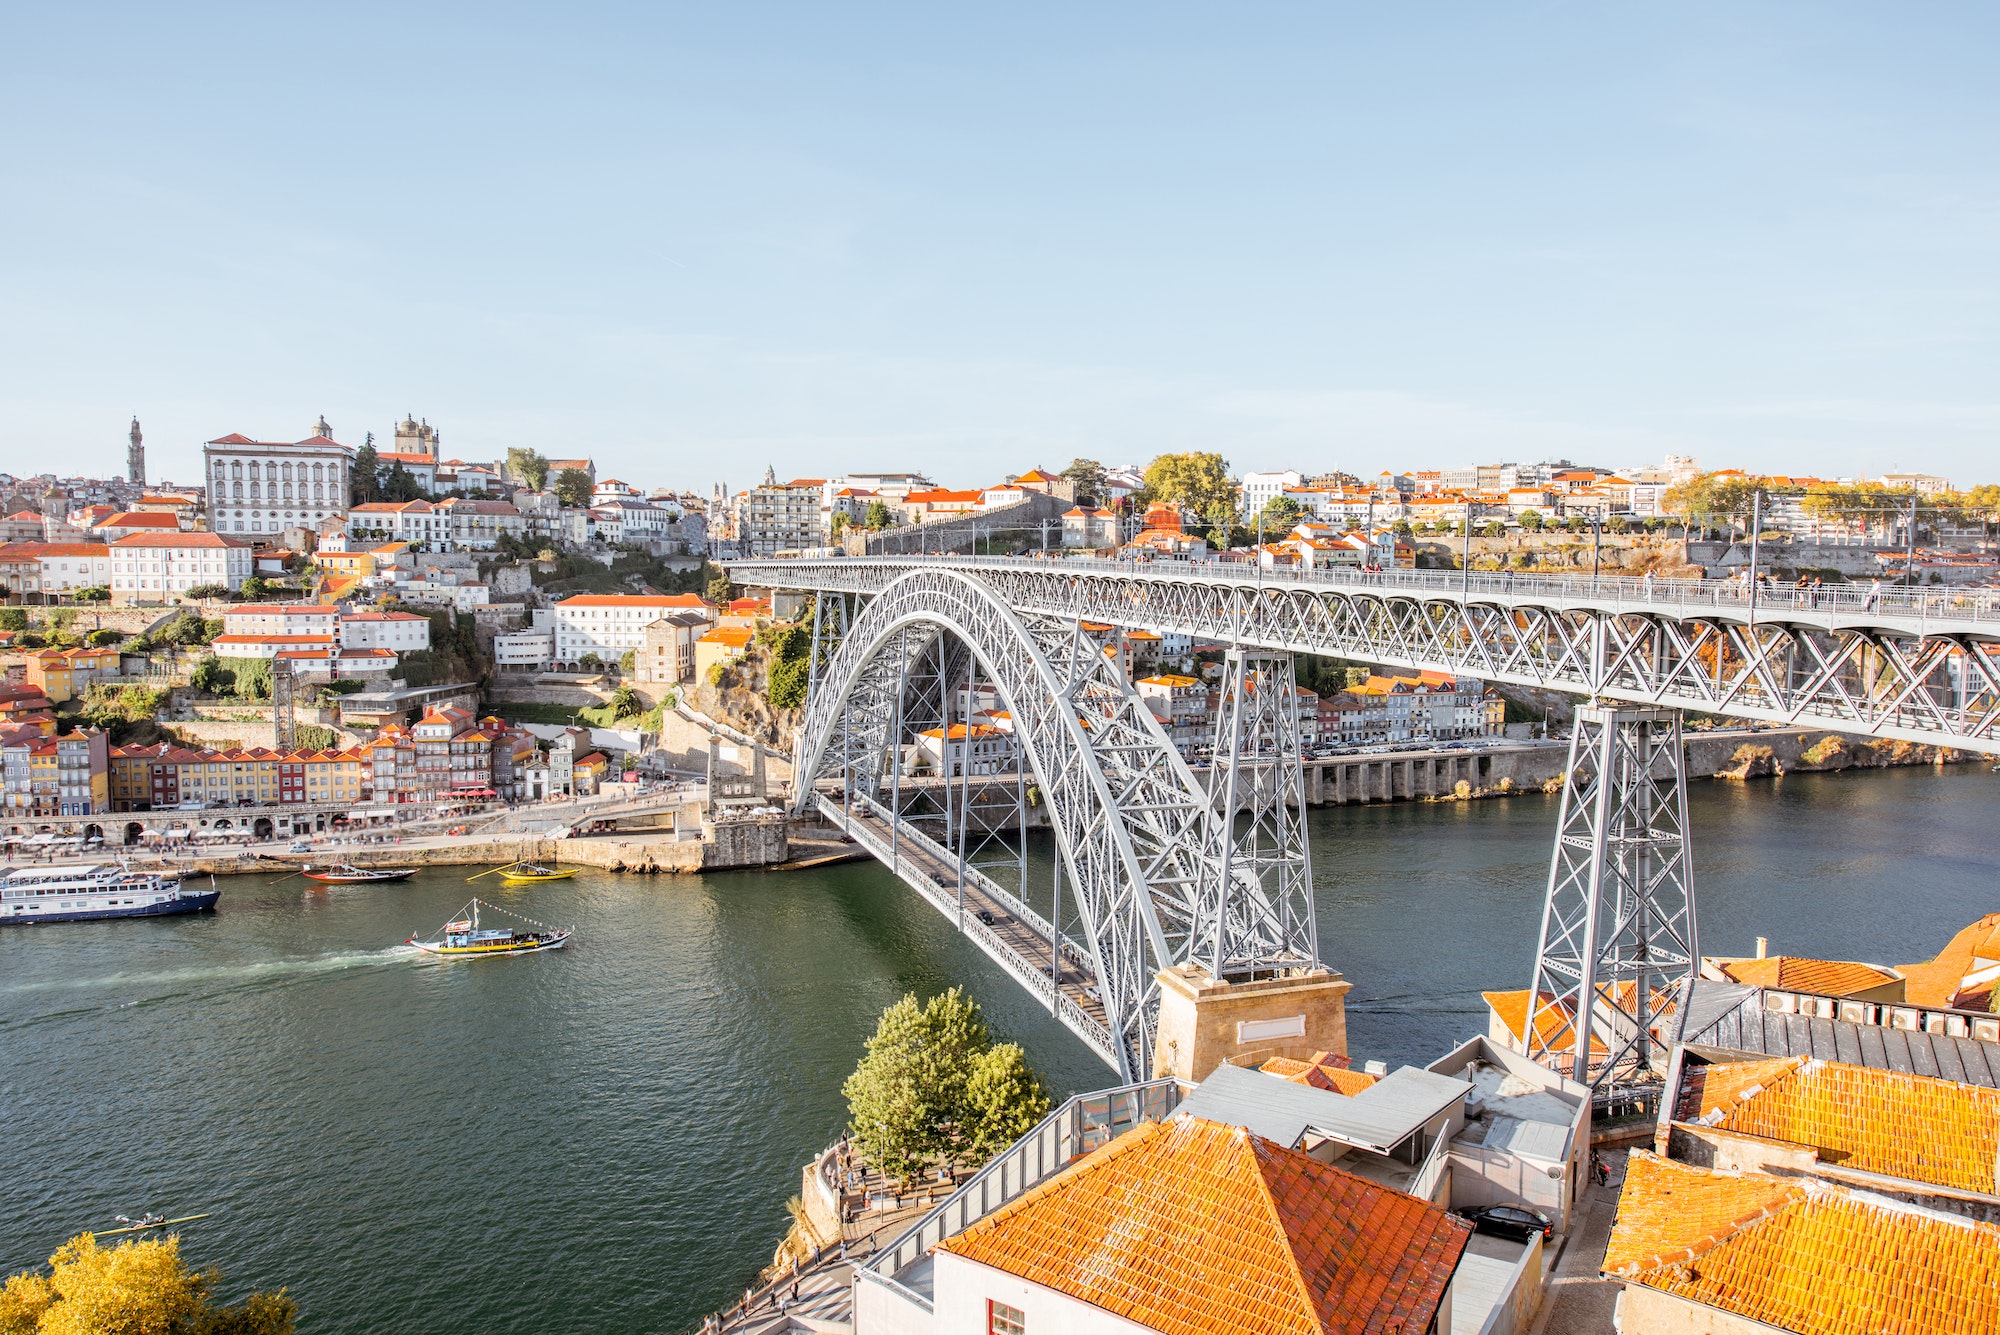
<point>1921,670</point>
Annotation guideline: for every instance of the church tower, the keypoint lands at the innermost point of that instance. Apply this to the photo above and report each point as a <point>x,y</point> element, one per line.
<point>135,456</point>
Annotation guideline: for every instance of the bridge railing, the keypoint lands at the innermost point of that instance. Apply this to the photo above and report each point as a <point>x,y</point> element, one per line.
<point>1085,1123</point>
<point>1624,592</point>
<point>1035,979</point>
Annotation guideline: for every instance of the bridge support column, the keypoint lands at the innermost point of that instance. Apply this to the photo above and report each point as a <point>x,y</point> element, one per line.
<point>1258,830</point>
<point>1618,923</point>
<point>1205,1022</point>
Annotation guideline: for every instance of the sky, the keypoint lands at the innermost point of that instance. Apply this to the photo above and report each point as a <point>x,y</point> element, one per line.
<point>691,241</point>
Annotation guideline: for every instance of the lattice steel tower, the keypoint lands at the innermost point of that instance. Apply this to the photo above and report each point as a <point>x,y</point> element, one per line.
<point>1257,914</point>
<point>1618,927</point>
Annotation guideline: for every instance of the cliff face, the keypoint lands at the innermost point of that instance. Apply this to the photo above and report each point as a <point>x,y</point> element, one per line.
<point>1805,752</point>
<point>742,702</point>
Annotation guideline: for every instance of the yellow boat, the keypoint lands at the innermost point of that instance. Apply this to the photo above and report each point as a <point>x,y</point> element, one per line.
<point>526,873</point>
<point>523,872</point>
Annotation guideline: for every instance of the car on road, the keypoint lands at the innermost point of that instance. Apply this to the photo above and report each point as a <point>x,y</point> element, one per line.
<point>985,916</point>
<point>1509,1221</point>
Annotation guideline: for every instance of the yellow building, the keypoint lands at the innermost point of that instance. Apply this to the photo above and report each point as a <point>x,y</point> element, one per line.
<point>724,644</point>
<point>50,670</point>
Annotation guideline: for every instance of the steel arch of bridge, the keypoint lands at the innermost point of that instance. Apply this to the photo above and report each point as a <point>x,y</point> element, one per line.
<point>1915,666</point>
<point>1144,850</point>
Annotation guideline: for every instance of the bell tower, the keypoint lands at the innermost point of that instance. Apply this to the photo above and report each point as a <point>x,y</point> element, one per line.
<point>135,456</point>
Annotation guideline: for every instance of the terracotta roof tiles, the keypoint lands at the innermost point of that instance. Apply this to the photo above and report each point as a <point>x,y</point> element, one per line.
<point>1830,978</point>
<point>1811,1258</point>
<point>1195,1228</point>
<point>1915,1127</point>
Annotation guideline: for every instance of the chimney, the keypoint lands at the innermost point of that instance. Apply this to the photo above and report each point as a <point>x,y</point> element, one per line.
<point>1763,947</point>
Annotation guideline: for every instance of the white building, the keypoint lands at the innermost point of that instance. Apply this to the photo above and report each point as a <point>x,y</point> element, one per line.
<point>974,749</point>
<point>525,650</point>
<point>607,624</point>
<point>66,567</point>
<point>459,522</point>
<point>320,619</point>
<point>404,632</point>
<point>262,486</point>
<point>161,567</point>
<point>1260,489</point>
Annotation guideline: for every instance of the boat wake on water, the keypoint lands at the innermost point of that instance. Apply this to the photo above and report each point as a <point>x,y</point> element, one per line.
<point>248,971</point>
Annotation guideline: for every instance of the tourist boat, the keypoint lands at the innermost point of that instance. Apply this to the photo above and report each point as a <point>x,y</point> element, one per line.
<point>527,873</point>
<point>346,873</point>
<point>464,936</point>
<point>75,894</point>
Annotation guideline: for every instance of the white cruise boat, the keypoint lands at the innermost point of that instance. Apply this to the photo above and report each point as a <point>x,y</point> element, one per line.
<point>72,894</point>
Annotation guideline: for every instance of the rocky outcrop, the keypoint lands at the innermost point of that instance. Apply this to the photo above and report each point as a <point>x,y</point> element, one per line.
<point>1807,753</point>
<point>1751,762</point>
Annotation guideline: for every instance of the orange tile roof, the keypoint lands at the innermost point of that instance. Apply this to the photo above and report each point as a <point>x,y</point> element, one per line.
<point>1552,1022</point>
<point>1815,1259</point>
<point>1941,981</point>
<point>1831,978</point>
<point>1916,1127</point>
<point>1323,1070</point>
<point>736,636</point>
<point>177,540</point>
<point>1195,1228</point>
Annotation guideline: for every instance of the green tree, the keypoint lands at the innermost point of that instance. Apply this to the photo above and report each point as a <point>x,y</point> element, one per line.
<point>530,468</point>
<point>28,639</point>
<point>1088,475</point>
<point>572,487</point>
<point>719,590</point>
<point>1401,528</point>
<point>96,593</point>
<point>625,703</point>
<point>205,592</point>
<point>365,481</point>
<point>877,516</point>
<point>255,588</point>
<point>1281,514</point>
<point>1003,1099</point>
<point>912,1099</point>
<point>840,524</point>
<point>1194,481</point>
<point>590,663</point>
<point>628,661</point>
<point>100,639</point>
<point>399,485</point>
<point>140,1286</point>
<point>13,618</point>
<point>1532,521</point>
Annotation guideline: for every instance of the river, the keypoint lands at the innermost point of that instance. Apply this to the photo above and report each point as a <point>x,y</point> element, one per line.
<point>602,1139</point>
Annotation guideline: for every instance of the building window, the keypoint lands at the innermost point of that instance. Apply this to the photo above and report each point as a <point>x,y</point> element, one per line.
<point>1004,1320</point>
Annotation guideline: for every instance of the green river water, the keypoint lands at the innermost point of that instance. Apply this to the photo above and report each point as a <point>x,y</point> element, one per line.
<point>602,1138</point>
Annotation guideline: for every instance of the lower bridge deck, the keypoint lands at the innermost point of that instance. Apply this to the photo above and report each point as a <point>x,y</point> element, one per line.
<point>1018,939</point>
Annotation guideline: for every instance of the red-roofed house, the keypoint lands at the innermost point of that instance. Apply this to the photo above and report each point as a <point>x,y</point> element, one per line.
<point>124,524</point>
<point>159,568</point>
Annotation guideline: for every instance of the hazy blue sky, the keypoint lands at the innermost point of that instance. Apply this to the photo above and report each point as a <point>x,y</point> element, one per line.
<point>691,241</point>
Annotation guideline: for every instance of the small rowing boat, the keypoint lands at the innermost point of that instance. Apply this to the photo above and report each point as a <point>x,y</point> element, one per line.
<point>346,873</point>
<point>464,936</point>
<point>527,873</point>
<point>522,872</point>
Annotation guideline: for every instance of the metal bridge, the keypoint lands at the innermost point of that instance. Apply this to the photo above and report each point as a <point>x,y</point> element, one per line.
<point>1155,869</point>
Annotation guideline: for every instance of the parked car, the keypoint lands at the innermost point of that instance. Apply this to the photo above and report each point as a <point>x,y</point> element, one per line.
<point>1509,1221</point>
<point>301,846</point>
